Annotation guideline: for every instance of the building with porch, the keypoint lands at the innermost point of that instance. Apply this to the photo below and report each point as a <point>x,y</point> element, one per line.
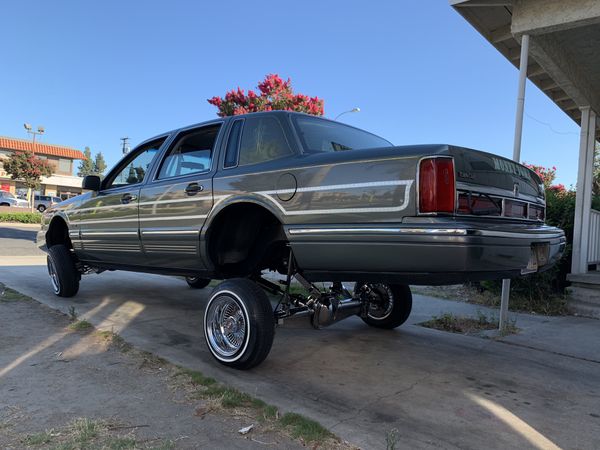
<point>62,183</point>
<point>555,44</point>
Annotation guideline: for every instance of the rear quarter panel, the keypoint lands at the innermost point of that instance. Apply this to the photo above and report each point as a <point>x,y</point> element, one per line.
<point>353,187</point>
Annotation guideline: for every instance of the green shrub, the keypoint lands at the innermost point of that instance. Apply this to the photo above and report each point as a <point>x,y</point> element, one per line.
<point>21,217</point>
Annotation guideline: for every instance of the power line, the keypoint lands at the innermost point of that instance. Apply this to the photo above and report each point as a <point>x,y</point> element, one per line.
<point>550,126</point>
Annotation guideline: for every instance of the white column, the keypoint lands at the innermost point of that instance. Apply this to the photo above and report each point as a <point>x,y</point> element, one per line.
<point>503,320</point>
<point>583,200</point>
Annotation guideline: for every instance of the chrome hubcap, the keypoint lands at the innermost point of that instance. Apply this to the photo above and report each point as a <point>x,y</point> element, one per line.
<point>225,325</point>
<point>53,276</point>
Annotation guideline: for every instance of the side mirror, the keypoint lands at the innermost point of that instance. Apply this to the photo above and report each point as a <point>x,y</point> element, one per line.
<point>91,183</point>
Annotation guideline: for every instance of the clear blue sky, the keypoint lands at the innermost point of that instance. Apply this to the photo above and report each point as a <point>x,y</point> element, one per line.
<point>92,72</point>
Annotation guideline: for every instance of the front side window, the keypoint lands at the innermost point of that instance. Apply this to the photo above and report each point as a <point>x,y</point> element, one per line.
<point>192,153</point>
<point>263,140</point>
<point>135,170</point>
<point>318,135</point>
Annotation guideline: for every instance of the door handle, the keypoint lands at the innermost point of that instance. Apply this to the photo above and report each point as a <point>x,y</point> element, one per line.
<point>193,188</point>
<point>128,198</point>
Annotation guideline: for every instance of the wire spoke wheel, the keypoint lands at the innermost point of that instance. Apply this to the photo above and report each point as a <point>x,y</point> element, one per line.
<point>239,324</point>
<point>53,276</point>
<point>64,276</point>
<point>226,325</point>
<point>389,305</point>
<point>381,301</point>
<point>197,282</point>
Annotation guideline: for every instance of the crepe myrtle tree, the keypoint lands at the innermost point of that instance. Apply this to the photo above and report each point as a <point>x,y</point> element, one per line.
<point>546,174</point>
<point>29,169</point>
<point>273,93</point>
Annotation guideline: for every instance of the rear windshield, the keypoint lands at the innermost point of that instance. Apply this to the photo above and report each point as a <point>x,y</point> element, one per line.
<point>318,135</point>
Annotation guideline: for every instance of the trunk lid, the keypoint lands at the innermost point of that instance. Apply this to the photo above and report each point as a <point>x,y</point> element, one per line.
<point>475,168</point>
<point>490,185</point>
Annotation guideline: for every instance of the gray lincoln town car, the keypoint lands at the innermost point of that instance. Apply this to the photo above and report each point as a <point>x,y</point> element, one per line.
<point>312,199</point>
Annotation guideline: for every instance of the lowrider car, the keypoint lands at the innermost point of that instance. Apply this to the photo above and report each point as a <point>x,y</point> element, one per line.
<point>312,199</point>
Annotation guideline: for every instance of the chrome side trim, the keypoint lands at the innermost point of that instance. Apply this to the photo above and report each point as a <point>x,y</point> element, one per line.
<point>143,219</point>
<point>170,232</point>
<point>443,231</point>
<point>108,233</point>
<point>516,234</point>
<point>430,231</point>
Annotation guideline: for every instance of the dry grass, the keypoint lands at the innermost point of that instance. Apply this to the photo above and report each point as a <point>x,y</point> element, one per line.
<point>85,433</point>
<point>10,295</point>
<point>549,305</point>
<point>467,325</point>
<point>216,398</point>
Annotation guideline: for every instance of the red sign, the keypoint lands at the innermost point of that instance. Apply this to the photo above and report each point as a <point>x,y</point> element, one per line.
<point>5,187</point>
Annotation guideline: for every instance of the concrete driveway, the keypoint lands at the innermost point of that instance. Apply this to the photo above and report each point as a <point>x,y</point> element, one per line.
<point>436,389</point>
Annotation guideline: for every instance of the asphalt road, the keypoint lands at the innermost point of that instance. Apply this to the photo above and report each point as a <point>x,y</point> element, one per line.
<point>438,390</point>
<point>18,240</point>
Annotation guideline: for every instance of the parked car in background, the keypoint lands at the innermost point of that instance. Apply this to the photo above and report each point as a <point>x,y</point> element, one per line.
<point>43,202</point>
<point>9,199</point>
<point>310,198</point>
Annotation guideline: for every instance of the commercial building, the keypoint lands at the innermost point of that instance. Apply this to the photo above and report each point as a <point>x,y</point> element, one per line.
<point>62,183</point>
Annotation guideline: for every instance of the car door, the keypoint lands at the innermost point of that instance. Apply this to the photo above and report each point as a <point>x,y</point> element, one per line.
<point>108,220</point>
<point>175,204</point>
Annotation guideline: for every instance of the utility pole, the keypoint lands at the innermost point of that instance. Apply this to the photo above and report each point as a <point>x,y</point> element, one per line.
<point>125,145</point>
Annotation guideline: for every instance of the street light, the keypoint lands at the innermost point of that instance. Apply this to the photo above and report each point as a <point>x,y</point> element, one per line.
<point>40,130</point>
<point>353,110</point>
<point>29,128</point>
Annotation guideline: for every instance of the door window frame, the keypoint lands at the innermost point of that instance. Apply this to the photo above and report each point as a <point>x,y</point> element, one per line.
<point>130,157</point>
<point>216,154</point>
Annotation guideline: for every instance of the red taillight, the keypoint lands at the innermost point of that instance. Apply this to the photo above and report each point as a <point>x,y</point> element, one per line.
<point>436,185</point>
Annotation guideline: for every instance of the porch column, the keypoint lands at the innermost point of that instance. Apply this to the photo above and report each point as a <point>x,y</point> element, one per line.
<point>505,296</point>
<point>583,200</point>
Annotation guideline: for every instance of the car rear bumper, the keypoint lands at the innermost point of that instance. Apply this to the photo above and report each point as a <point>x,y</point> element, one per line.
<point>431,253</point>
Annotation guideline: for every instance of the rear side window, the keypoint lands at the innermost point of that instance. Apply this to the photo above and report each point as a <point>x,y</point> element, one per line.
<point>318,135</point>
<point>263,140</point>
<point>191,153</point>
<point>233,143</point>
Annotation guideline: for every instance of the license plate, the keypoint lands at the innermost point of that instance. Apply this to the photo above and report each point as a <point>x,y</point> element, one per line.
<point>538,257</point>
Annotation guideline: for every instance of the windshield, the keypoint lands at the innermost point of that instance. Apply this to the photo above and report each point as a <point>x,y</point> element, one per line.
<point>56,199</point>
<point>8,194</point>
<point>318,135</point>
